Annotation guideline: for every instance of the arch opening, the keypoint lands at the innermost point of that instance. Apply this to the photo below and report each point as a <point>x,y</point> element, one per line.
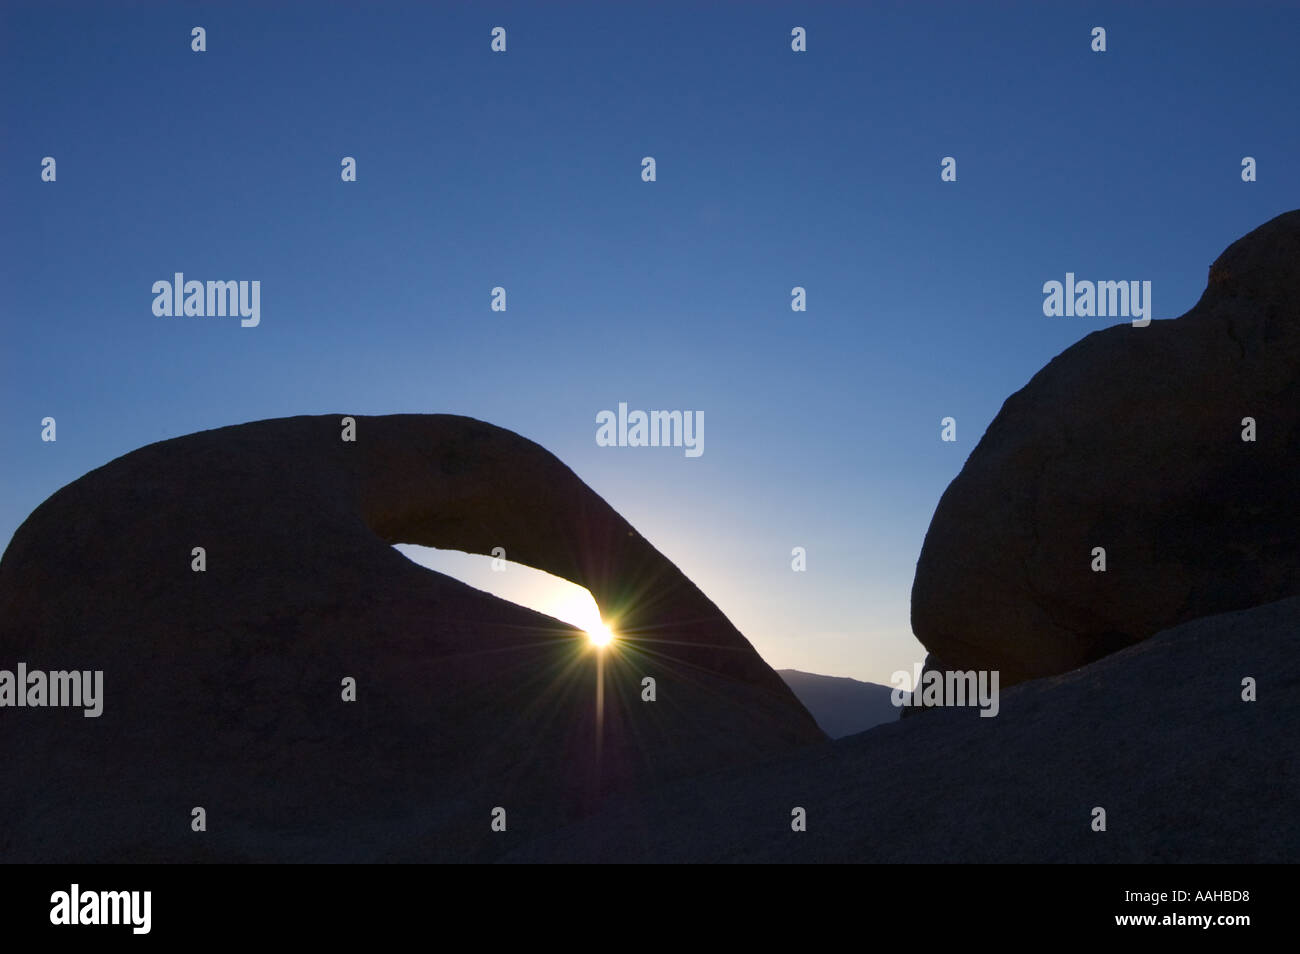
<point>519,584</point>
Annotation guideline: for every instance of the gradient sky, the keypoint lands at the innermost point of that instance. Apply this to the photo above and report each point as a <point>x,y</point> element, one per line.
<point>522,169</point>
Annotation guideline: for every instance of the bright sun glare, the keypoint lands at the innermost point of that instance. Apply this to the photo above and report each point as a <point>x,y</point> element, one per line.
<point>574,605</point>
<point>600,634</point>
<point>524,585</point>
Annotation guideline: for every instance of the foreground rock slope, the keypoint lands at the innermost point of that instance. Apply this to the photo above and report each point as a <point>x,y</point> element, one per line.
<point>1157,735</point>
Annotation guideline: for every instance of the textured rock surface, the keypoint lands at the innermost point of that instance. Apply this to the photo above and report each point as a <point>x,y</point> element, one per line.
<point>1130,440</point>
<point>1157,735</point>
<point>223,687</point>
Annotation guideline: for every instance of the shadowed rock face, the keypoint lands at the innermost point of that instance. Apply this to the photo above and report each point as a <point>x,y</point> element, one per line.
<point>223,688</point>
<point>1130,440</point>
<point>1158,735</point>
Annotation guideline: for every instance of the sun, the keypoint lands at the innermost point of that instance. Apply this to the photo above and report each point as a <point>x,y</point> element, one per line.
<point>575,605</point>
<point>600,634</point>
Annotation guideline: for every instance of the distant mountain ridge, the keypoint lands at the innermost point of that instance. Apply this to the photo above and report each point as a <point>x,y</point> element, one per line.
<point>841,706</point>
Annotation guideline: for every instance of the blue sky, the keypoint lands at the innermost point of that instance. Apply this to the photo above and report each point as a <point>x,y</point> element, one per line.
<point>522,169</point>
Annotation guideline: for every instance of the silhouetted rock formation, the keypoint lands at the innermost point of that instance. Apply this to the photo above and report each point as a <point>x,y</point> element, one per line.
<point>932,664</point>
<point>1157,735</point>
<point>1130,440</point>
<point>223,687</point>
